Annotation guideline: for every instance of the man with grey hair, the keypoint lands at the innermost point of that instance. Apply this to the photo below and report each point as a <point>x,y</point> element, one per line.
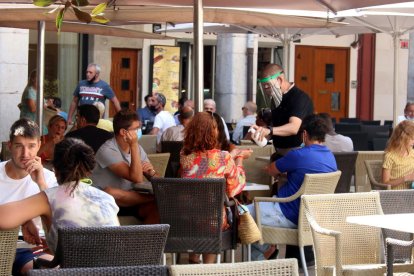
<point>91,90</point>
<point>249,118</point>
<point>210,106</point>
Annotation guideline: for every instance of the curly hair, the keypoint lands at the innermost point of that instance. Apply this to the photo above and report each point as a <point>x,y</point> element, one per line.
<point>73,160</point>
<point>201,133</point>
<point>315,126</point>
<point>400,137</point>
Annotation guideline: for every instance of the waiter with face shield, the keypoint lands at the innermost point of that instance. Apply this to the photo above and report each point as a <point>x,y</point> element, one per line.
<point>289,106</point>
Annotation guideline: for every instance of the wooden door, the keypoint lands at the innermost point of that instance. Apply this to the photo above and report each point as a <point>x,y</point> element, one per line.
<point>323,72</point>
<point>124,76</point>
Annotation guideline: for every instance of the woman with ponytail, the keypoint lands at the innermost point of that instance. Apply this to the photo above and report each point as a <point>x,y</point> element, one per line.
<point>73,203</point>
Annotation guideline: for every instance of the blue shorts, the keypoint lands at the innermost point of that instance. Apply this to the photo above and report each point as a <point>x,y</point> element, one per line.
<point>23,256</point>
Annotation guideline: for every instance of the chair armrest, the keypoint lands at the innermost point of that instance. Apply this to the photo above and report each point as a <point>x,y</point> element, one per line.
<point>332,233</point>
<point>282,199</point>
<point>389,251</point>
<point>380,186</point>
<point>229,202</point>
<point>39,263</point>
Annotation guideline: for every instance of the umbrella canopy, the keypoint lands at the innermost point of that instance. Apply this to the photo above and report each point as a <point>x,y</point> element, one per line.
<point>144,14</point>
<point>85,29</point>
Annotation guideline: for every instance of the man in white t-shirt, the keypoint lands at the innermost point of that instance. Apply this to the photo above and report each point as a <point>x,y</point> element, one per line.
<point>23,176</point>
<point>334,141</point>
<point>163,119</point>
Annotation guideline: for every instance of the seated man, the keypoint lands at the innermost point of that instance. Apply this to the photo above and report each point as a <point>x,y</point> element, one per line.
<point>334,141</point>
<point>23,176</point>
<point>408,113</point>
<point>249,118</point>
<point>87,119</point>
<point>314,157</point>
<point>121,162</point>
<point>176,133</point>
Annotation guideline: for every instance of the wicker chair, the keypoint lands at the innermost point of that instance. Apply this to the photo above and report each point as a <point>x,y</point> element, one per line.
<point>312,184</point>
<point>361,177</point>
<point>174,148</point>
<point>160,162</point>
<point>374,171</point>
<point>285,267</point>
<point>149,143</point>
<point>399,246</point>
<point>109,246</point>
<point>346,164</point>
<point>343,248</point>
<point>150,270</point>
<point>194,210</point>
<point>8,242</point>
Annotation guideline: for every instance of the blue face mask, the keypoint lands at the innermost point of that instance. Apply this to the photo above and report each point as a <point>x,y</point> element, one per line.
<point>139,133</point>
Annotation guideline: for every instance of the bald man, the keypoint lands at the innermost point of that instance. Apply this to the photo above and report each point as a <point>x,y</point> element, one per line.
<point>289,106</point>
<point>249,118</point>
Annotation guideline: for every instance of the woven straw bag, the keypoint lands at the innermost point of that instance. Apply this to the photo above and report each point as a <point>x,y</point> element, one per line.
<point>247,228</point>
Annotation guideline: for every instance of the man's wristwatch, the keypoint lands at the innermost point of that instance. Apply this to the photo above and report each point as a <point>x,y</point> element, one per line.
<point>270,128</point>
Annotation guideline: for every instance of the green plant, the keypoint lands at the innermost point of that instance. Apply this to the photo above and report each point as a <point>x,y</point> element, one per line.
<point>75,6</point>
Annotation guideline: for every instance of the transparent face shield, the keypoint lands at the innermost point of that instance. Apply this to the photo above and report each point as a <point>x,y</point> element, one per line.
<point>270,88</point>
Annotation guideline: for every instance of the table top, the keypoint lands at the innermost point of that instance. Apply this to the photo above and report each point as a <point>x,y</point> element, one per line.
<point>398,222</point>
<point>256,187</point>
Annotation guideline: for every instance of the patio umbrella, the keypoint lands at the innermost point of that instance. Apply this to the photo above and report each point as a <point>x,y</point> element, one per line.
<point>74,27</point>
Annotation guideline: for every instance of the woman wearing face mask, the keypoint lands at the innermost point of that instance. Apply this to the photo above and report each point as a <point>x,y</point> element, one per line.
<point>289,106</point>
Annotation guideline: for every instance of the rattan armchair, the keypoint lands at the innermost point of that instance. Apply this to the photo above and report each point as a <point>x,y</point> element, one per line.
<point>399,246</point>
<point>194,210</point>
<point>285,267</point>
<point>361,178</point>
<point>343,248</point>
<point>145,270</point>
<point>159,161</point>
<point>8,242</point>
<point>374,172</point>
<point>321,183</point>
<point>345,162</point>
<point>174,148</point>
<point>109,246</point>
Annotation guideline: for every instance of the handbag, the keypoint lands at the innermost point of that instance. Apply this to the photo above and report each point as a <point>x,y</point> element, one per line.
<point>247,228</point>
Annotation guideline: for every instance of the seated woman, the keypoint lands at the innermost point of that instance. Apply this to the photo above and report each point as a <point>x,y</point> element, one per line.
<point>200,148</point>
<point>73,203</point>
<point>56,131</point>
<point>398,166</point>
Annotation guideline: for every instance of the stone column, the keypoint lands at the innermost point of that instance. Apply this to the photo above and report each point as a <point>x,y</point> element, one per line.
<point>231,74</point>
<point>14,53</point>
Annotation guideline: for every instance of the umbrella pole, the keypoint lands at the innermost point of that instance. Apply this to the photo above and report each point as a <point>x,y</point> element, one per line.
<point>286,51</point>
<point>40,72</point>
<point>198,55</point>
<point>395,37</point>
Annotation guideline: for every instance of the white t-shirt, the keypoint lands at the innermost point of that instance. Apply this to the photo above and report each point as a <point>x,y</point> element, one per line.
<point>339,143</point>
<point>18,189</point>
<point>162,121</point>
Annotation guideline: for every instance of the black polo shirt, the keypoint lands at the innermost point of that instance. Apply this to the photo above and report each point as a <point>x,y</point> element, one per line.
<point>91,135</point>
<point>294,103</point>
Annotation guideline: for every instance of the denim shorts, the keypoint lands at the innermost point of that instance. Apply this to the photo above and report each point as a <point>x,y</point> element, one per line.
<point>23,256</point>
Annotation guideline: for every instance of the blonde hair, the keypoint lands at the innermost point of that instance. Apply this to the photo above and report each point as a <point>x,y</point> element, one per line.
<point>400,138</point>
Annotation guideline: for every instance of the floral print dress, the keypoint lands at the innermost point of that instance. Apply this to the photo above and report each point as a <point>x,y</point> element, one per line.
<point>214,164</point>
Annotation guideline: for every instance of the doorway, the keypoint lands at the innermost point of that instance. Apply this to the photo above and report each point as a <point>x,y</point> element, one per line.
<point>124,76</point>
<point>323,73</point>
